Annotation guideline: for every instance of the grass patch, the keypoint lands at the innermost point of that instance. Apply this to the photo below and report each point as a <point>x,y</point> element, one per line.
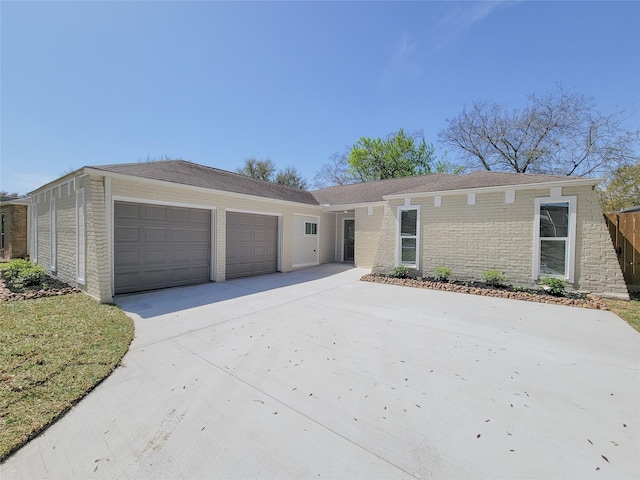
<point>53,351</point>
<point>628,310</point>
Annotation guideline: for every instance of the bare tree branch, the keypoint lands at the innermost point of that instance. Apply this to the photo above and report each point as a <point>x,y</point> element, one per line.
<point>560,133</point>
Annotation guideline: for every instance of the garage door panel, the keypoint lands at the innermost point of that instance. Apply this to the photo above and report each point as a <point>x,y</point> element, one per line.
<point>127,258</point>
<point>127,280</point>
<point>200,235</point>
<point>127,210</point>
<point>157,257</point>
<point>127,234</point>
<point>157,246</point>
<point>201,217</point>
<point>155,212</point>
<point>252,244</point>
<point>179,235</point>
<point>179,214</point>
<point>155,234</point>
<point>200,255</point>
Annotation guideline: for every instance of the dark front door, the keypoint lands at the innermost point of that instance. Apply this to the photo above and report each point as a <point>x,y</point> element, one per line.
<point>349,240</point>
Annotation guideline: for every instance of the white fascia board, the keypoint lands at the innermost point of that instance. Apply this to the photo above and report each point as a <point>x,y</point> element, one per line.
<point>69,177</point>
<point>351,206</point>
<point>499,188</point>
<point>164,183</point>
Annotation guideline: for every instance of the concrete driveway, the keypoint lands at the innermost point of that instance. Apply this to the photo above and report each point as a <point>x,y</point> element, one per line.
<point>313,374</point>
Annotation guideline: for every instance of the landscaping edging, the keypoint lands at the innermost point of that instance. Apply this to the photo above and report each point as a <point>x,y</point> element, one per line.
<point>592,301</point>
<point>6,295</point>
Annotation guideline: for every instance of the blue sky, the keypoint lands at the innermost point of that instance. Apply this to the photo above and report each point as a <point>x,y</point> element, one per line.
<point>90,83</point>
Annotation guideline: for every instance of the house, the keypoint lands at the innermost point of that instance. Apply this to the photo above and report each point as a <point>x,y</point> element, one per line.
<point>124,228</point>
<point>13,228</point>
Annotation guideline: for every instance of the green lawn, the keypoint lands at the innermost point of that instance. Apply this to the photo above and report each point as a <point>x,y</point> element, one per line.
<point>629,311</point>
<point>53,351</point>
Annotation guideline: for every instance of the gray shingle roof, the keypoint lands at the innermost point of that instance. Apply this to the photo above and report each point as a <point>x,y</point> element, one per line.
<point>438,182</point>
<point>483,179</point>
<point>188,173</point>
<point>374,191</point>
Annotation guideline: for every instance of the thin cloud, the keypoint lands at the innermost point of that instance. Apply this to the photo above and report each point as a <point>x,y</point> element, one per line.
<point>464,16</point>
<point>403,64</point>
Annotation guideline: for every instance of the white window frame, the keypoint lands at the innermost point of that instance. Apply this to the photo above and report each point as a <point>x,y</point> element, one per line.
<point>81,242</point>
<point>53,235</point>
<point>570,240</point>
<point>311,234</point>
<point>399,237</point>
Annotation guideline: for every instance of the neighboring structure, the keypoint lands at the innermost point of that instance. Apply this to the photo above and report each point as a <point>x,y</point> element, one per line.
<point>13,228</point>
<point>132,227</point>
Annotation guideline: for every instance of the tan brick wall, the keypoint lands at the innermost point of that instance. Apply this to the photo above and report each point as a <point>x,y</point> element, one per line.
<point>66,236</point>
<point>493,234</point>
<point>367,235</point>
<point>597,267</point>
<point>98,269</point>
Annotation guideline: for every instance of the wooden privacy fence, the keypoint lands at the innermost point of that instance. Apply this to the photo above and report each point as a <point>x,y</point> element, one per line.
<point>625,233</point>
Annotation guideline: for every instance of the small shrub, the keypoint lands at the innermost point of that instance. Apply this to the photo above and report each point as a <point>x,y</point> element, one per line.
<point>400,272</point>
<point>494,278</point>
<point>22,273</point>
<point>554,286</point>
<point>442,274</point>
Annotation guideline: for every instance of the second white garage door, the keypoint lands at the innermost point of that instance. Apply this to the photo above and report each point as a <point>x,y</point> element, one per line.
<point>252,244</point>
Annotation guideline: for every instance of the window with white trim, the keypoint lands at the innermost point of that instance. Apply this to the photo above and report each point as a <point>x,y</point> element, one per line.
<point>310,228</point>
<point>555,237</point>
<point>53,233</point>
<point>80,237</point>
<point>408,236</point>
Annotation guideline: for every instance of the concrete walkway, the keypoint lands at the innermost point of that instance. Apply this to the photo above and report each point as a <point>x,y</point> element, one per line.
<point>313,374</point>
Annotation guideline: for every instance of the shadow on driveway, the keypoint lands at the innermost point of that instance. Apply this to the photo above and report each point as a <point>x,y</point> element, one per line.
<point>169,300</point>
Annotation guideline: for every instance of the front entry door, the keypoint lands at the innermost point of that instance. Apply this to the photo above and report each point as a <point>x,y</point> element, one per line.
<point>349,240</point>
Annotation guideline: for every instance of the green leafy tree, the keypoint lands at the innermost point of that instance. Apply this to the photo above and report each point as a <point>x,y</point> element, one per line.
<point>622,190</point>
<point>400,155</point>
<point>376,159</point>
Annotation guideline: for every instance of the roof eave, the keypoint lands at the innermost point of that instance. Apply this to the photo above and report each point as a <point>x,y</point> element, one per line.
<point>350,206</point>
<point>499,188</point>
<point>125,176</point>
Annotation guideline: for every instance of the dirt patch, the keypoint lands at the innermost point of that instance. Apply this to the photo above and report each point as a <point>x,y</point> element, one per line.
<point>589,301</point>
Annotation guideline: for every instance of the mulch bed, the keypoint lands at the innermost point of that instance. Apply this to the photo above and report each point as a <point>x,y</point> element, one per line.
<point>50,287</point>
<point>589,301</point>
